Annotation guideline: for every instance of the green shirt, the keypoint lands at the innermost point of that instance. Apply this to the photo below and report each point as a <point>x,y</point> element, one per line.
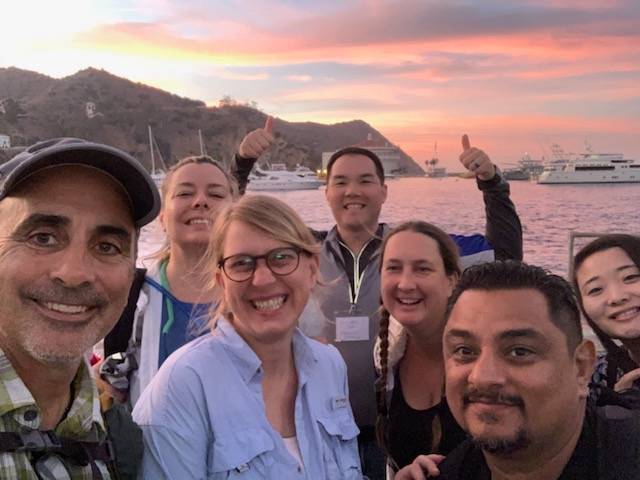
<point>19,413</point>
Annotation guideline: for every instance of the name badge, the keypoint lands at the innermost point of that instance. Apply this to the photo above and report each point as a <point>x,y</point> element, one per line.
<point>353,328</point>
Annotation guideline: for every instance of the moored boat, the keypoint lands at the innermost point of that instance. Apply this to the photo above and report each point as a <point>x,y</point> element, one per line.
<point>589,167</point>
<point>158,174</point>
<point>279,178</point>
<point>432,170</point>
<point>526,169</point>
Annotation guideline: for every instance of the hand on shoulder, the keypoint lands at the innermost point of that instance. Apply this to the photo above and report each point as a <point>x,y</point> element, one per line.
<point>627,380</point>
<point>423,467</point>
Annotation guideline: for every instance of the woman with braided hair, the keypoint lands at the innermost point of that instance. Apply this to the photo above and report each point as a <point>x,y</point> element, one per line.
<point>419,269</point>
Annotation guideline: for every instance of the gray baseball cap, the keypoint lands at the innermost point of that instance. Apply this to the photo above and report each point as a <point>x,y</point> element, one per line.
<point>126,170</point>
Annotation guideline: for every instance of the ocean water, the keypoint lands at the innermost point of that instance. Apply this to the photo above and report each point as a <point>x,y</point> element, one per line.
<point>547,212</point>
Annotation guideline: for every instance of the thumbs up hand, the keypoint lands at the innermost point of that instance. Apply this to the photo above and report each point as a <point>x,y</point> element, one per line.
<point>256,142</point>
<point>476,161</point>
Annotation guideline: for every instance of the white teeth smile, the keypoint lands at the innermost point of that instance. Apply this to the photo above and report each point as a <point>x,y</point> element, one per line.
<point>627,314</point>
<point>271,304</point>
<point>409,301</point>
<point>199,221</point>
<point>62,308</point>
<point>354,206</point>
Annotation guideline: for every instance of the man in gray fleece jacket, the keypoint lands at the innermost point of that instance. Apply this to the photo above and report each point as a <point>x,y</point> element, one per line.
<point>350,300</point>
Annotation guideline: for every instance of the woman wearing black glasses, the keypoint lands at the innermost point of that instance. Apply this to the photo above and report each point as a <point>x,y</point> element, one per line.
<point>255,398</point>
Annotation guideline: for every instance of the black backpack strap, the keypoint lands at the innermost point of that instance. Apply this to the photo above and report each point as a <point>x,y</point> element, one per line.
<point>126,440</point>
<point>40,442</point>
<point>117,340</point>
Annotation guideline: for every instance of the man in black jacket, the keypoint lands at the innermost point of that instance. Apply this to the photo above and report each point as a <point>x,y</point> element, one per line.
<point>517,373</point>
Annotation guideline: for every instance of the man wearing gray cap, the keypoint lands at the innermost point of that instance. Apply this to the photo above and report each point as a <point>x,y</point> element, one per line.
<point>70,212</point>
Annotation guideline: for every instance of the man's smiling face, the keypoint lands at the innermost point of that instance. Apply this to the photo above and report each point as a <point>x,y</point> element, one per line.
<point>355,193</point>
<point>67,257</point>
<point>512,382</point>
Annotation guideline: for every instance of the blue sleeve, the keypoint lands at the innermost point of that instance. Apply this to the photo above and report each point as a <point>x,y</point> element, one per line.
<point>473,249</point>
<point>175,425</point>
<point>347,448</point>
<point>471,244</point>
<point>168,455</point>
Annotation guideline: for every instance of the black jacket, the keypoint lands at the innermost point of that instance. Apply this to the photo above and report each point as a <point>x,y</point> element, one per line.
<point>608,449</point>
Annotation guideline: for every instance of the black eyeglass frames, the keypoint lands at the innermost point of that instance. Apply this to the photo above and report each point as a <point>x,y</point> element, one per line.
<point>281,261</point>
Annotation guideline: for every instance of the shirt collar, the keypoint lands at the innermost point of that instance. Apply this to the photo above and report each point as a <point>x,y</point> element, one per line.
<point>248,363</point>
<point>334,237</point>
<point>304,355</point>
<point>85,408</point>
<point>13,392</point>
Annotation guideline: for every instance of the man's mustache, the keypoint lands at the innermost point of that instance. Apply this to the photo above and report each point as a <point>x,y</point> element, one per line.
<point>54,293</point>
<point>491,395</point>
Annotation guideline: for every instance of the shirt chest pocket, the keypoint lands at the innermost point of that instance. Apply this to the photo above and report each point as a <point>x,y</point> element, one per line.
<point>244,455</point>
<point>340,447</point>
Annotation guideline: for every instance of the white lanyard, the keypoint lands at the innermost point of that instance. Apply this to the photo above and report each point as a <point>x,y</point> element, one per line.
<point>354,292</point>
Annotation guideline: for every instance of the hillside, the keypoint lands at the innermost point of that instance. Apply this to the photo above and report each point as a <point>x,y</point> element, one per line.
<point>99,106</point>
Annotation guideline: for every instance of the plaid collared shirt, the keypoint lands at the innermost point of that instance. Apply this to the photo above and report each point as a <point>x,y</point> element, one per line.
<point>19,413</point>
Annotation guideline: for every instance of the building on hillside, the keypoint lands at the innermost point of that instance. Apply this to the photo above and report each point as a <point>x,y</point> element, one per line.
<point>91,110</point>
<point>5,141</point>
<point>389,155</point>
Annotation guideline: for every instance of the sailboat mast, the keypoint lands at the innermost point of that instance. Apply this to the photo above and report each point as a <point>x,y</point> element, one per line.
<point>202,150</point>
<point>153,160</point>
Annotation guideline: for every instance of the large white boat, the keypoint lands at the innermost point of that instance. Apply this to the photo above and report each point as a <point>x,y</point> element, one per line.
<point>589,167</point>
<point>279,178</point>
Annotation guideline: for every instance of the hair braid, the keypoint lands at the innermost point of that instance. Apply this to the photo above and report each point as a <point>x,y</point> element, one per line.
<point>382,419</point>
<point>436,433</point>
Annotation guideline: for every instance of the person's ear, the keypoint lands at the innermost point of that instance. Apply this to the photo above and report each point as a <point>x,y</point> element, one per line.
<point>314,267</point>
<point>452,281</point>
<point>161,220</point>
<point>584,359</point>
<point>219,278</point>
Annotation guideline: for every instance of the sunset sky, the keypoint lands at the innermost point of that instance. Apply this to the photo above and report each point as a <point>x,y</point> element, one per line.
<point>515,75</point>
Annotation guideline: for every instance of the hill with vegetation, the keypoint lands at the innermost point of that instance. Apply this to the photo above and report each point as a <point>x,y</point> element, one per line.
<point>102,107</point>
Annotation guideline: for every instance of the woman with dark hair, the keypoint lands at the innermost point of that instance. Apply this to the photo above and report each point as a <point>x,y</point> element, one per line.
<point>606,277</point>
<point>419,269</point>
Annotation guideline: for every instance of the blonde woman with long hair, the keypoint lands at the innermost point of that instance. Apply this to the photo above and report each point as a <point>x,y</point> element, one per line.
<point>173,301</point>
<point>255,398</point>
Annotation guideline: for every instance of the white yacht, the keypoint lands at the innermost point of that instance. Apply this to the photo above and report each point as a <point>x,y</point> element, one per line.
<point>589,167</point>
<point>279,178</point>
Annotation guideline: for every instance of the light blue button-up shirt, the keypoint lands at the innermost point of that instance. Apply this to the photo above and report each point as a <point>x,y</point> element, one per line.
<point>203,415</point>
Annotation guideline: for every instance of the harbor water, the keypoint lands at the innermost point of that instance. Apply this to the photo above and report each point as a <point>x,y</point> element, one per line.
<point>547,212</point>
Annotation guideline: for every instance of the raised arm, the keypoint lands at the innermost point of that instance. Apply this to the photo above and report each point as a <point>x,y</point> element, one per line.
<point>254,144</point>
<point>503,228</point>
